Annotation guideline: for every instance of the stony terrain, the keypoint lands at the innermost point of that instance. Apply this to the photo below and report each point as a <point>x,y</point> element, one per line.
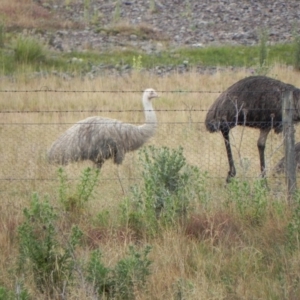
<point>152,25</point>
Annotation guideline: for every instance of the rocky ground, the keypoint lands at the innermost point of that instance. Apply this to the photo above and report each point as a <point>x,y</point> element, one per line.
<point>152,25</point>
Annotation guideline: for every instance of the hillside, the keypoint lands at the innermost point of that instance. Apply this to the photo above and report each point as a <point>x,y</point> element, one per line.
<point>151,25</point>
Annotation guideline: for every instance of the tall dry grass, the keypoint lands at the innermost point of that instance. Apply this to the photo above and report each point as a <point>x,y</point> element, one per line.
<point>217,257</point>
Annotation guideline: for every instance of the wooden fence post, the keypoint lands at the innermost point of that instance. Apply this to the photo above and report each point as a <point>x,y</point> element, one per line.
<point>289,142</point>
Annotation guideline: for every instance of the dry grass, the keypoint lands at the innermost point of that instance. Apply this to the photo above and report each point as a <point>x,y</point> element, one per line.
<point>19,14</point>
<point>215,256</point>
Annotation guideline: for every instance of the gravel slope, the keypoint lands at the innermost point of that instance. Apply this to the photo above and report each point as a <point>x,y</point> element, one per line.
<point>172,23</point>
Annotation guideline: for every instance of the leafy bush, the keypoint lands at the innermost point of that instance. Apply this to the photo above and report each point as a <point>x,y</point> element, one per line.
<point>28,50</point>
<point>168,186</point>
<point>120,282</point>
<point>42,249</point>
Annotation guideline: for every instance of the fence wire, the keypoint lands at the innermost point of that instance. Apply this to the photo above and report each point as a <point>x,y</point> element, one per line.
<point>27,135</point>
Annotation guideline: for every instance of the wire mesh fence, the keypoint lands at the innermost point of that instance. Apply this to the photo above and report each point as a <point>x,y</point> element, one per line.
<point>27,135</point>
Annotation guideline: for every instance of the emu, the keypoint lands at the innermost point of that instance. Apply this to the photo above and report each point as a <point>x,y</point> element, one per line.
<point>98,139</point>
<point>255,102</point>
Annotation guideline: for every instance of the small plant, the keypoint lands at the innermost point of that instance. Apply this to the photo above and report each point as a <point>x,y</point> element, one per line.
<point>74,201</point>
<point>137,63</point>
<point>293,228</point>
<point>120,282</point>
<point>98,274</point>
<point>130,273</point>
<point>188,10</point>
<point>2,34</point>
<point>42,249</point>
<point>117,12</point>
<point>182,289</point>
<point>263,54</point>
<point>152,6</point>
<point>86,7</point>
<point>5,294</point>
<point>250,201</point>
<point>28,50</point>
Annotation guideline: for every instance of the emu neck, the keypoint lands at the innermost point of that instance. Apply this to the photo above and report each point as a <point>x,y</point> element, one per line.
<point>150,116</point>
<point>148,129</point>
<point>138,135</point>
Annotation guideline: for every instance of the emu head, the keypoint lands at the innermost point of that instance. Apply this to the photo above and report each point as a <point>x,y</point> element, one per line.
<point>149,94</point>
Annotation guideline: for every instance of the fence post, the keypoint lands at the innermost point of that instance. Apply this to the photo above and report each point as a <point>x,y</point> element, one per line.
<point>289,142</point>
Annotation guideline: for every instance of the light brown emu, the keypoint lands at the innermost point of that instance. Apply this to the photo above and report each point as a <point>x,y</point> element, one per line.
<point>98,139</point>
<point>255,102</point>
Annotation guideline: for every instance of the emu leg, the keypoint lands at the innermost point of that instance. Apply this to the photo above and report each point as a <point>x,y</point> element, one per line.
<point>232,171</point>
<point>261,144</point>
<point>118,156</point>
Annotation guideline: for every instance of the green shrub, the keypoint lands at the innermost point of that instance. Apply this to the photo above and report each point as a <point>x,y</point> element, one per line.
<point>120,282</point>
<point>43,250</point>
<point>168,186</point>
<point>28,50</point>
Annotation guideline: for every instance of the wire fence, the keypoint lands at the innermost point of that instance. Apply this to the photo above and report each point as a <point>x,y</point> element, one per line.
<point>26,136</point>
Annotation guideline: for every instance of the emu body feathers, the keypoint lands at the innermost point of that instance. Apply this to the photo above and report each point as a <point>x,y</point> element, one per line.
<point>98,139</point>
<point>254,102</point>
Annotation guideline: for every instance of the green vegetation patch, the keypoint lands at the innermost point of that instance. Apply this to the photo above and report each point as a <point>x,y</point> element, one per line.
<point>27,54</point>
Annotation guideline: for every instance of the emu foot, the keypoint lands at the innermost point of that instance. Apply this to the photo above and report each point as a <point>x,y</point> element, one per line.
<point>230,176</point>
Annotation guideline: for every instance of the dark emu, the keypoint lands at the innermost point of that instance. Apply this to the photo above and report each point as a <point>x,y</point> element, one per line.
<point>256,102</point>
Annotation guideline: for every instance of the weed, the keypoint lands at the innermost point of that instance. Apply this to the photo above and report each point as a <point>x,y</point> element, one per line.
<point>131,272</point>
<point>250,201</point>
<point>120,282</point>
<point>98,274</point>
<point>293,228</point>
<point>28,50</point>
<point>103,218</point>
<point>74,201</point>
<point>2,34</point>
<point>263,53</point>
<point>117,12</point>
<point>137,63</point>
<point>263,68</point>
<point>42,251</point>
<point>86,7</point>
<point>5,294</point>
<point>152,7</point>
<point>182,289</point>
